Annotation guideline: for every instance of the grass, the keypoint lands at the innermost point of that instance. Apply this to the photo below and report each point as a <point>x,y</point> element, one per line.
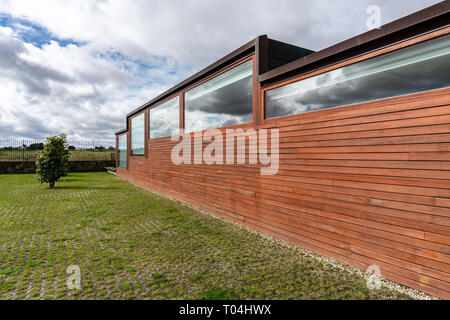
<point>217,293</point>
<point>132,244</point>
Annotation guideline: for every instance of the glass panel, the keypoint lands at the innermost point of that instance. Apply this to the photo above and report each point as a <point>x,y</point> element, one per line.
<point>222,101</point>
<point>164,119</point>
<point>123,151</point>
<point>138,135</point>
<point>421,67</point>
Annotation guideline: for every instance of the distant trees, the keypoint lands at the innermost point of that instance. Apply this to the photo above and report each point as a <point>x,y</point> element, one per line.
<point>36,146</point>
<point>31,147</point>
<point>52,161</point>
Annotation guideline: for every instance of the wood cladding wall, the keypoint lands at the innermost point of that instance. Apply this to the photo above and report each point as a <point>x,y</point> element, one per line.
<point>365,184</point>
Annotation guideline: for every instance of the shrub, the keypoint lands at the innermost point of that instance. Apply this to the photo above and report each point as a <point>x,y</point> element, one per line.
<point>51,163</point>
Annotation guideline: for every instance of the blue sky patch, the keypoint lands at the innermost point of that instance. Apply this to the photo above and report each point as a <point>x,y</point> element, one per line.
<point>33,33</point>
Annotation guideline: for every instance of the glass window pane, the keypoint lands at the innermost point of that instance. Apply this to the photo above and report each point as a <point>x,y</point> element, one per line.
<point>123,151</point>
<point>421,67</point>
<point>138,135</point>
<point>222,101</point>
<point>164,119</point>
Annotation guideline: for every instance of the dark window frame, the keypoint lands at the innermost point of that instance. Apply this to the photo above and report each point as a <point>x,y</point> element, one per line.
<point>379,52</point>
<point>145,115</point>
<point>180,94</point>
<point>159,103</point>
<point>125,135</point>
<point>255,92</point>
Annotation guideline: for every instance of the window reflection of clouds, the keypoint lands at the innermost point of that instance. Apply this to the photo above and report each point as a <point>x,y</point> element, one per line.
<point>138,135</point>
<point>222,101</point>
<point>164,119</point>
<point>417,68</point>
<point>122,151</point>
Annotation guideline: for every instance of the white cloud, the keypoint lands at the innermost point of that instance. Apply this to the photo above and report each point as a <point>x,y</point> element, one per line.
<point>68,89</point>
<point>86,90</point>
<point>7,31</point>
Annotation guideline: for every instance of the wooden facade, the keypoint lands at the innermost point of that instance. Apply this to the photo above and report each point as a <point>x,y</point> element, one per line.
<point>366,184</point>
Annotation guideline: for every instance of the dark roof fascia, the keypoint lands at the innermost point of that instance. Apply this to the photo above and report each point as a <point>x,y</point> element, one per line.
<point>360,44</point>
<point>120,131</point>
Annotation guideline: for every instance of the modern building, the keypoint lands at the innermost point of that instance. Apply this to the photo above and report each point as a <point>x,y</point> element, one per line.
<point>364,146</point>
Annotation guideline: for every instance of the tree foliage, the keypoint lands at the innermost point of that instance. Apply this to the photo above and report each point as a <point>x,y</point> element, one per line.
<point>36,146</point>
<point>52,161</point>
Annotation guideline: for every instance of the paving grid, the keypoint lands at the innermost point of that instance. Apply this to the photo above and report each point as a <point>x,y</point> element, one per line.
<point>133,244</point>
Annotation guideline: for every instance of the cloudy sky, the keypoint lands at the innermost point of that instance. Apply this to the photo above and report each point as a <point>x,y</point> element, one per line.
<point>79,66</point>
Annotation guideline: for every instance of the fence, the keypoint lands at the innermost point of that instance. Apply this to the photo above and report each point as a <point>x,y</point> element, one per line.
<point>28,150</point>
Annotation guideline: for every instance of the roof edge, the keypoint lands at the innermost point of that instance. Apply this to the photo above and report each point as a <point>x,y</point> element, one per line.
<point>121,131</point>
<point>410,20</point>
<point>197,75</point>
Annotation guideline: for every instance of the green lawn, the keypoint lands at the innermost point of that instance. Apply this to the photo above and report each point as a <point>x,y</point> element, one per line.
<point>131,244</point>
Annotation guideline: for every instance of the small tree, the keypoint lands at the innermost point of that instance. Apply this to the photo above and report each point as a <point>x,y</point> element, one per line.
<point>51,163</point>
